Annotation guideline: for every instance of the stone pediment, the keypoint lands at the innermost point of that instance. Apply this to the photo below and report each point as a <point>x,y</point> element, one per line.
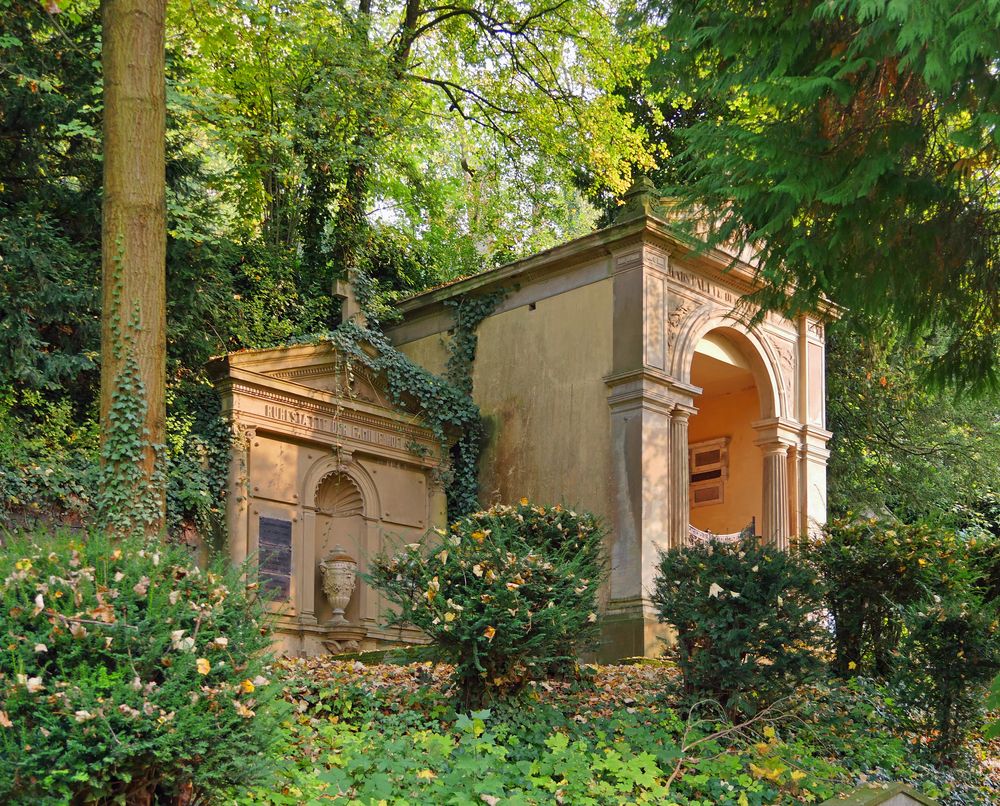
<point>310,392</point>
<point>318,367</point>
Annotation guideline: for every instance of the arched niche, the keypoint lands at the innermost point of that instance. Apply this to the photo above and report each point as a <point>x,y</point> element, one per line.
<point>344,502</point>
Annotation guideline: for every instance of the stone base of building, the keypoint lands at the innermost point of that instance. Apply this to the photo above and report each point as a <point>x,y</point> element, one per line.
<point>297,640</point>
<point>631,630</point>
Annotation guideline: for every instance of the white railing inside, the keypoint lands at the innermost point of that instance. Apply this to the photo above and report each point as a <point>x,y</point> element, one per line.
<point>697,535</point>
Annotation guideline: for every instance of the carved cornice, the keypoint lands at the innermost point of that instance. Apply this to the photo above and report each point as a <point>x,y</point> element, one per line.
<point>649,389</point>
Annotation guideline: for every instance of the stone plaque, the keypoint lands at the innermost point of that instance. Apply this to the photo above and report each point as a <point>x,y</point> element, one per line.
<point>275,557</point>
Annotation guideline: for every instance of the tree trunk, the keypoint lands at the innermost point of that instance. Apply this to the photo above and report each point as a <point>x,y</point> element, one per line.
<point>133,242</point>
<point>351,221</point>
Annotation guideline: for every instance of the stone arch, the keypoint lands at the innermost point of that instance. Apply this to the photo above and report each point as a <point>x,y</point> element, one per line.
<point>356,493</point>
<point>762,357</point>
<point>341,512</point>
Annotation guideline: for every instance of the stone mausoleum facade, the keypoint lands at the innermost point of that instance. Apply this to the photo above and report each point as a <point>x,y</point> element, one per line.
<point>614,376</point>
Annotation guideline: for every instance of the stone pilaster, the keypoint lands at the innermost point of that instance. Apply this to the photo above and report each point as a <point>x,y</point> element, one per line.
<point>307,571</point>
<point>813,456</point>
<point>645,486</point>
<point>238,498</point>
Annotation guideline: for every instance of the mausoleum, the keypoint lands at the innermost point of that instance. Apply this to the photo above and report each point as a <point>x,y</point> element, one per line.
<point>323,470</point>
<point>615,375</point>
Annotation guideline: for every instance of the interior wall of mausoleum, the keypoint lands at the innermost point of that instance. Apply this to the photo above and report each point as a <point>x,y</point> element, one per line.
<point>725,496</point>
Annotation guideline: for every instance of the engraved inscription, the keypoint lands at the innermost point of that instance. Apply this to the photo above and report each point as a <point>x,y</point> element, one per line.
<point>285,414</point>
<point>703,285</point>
<point>374,436</point>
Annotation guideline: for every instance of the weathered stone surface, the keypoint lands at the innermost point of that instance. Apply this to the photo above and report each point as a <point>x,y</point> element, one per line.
<point>321,459</point>
<point>608,360</point>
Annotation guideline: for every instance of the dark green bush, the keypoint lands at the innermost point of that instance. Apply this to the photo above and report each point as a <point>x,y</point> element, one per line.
<point>873,570</point>
<point>951,651</point>
<point>128,673</point>
<point>560,531</point>
<point>505,596</point>
<point>745,620</point>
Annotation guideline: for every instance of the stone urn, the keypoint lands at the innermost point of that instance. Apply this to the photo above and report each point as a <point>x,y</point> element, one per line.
<point>340,575</point>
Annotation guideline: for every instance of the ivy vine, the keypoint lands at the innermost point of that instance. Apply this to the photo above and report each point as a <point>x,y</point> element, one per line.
<point>445,403</point>
<point>127,499</point>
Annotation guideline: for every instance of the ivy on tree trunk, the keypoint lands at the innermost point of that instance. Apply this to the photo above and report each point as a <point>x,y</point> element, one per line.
<point>133,258</point>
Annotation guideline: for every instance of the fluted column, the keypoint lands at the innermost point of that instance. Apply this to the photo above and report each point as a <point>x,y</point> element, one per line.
<point>775,527</point>
<point>680,476</point>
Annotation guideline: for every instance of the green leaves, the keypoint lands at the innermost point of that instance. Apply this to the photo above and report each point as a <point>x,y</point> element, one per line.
<point>509,595</point>
<point>831,157</point>
<point>125,667</point>
<point>745,619</point>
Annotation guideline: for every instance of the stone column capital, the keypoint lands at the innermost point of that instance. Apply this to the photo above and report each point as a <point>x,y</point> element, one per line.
<point>776,434</point>
<point>647,389</point>
<point>242,432</point>
<point>774,448</point>
<point>682,411</point>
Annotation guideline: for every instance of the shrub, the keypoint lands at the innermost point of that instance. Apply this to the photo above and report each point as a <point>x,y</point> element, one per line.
<point>744,615</point>
<point>561,532</point>
<point>872,569</point>
<point>993,704</point>
<point>127,673</point>
<point>951,645</point>
<point>504,596</point>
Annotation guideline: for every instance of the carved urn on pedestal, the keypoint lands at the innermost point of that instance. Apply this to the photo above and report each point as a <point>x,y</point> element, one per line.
<point>340,575</point>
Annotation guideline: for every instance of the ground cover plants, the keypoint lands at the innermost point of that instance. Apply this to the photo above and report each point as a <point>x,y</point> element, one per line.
<point>373,733</point>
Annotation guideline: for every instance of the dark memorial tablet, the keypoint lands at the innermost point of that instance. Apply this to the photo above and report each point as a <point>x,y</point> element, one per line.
<point>275,557</point>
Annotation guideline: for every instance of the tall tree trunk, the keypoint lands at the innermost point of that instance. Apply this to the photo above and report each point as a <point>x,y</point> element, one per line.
<point>133,252</point>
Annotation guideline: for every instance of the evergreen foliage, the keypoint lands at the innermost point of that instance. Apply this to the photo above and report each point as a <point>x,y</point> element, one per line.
<point>500,595</point>
<point>128,674</point>
<point>901,447</point>
<point>745,615</point>
<point>953,645</point>
<point>874,570</point>
<point>855,150</point>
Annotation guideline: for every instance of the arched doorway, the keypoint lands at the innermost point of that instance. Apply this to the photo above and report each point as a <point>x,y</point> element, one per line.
<point>740,452</point>
<point>726,488</point>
